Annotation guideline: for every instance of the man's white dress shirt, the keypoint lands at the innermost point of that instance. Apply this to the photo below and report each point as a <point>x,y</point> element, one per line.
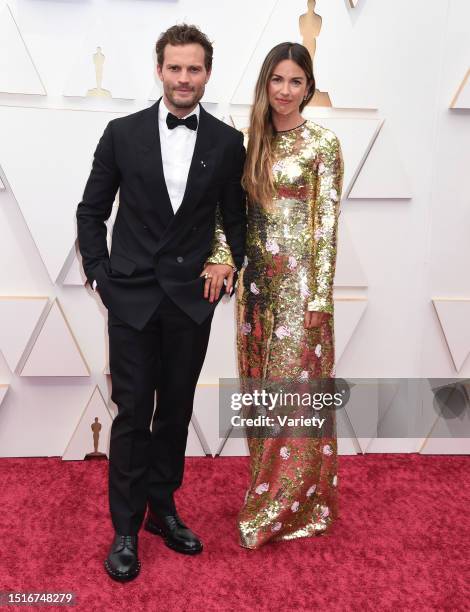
<point>177,148</point>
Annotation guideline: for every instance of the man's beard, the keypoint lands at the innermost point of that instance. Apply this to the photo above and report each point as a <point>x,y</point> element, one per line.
<point>188,103</point>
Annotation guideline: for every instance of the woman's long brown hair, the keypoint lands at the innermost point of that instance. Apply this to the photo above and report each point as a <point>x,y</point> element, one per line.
<point>258,177</point>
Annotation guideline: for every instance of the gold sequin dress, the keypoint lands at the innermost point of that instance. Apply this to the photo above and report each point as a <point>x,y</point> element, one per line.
<point>290,266</point>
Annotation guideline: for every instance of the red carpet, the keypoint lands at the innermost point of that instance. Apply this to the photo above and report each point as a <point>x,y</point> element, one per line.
<point>402,541</point>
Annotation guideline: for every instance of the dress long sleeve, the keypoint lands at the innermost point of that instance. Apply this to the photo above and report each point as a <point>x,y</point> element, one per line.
<point>221,253</point>
<point>330,168</point>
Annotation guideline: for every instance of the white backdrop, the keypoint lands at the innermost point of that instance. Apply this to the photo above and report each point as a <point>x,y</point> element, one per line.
<point>391,68</point>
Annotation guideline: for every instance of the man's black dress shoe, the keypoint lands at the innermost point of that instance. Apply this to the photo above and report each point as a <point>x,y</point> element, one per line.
<point>174,533</point>
<point>122,562</point>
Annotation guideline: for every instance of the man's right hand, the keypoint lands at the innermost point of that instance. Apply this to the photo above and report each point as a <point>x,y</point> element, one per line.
<point>215,275</point>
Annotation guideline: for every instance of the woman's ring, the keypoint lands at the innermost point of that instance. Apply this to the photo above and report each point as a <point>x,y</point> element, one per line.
<point>207,275</point>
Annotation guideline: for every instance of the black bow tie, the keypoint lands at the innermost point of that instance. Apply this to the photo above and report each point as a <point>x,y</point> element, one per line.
<point>190,122</point>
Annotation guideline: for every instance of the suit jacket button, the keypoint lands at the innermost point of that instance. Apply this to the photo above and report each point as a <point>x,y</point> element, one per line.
<point>180,259</point>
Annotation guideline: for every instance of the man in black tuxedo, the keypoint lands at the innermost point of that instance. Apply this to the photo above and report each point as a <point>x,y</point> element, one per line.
<point>174,164</point>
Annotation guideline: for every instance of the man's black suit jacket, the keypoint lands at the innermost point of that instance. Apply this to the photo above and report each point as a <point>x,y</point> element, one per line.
<point>154,251</point>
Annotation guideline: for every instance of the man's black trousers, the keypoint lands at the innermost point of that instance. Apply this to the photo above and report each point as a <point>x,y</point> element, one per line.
<point>146,464</point>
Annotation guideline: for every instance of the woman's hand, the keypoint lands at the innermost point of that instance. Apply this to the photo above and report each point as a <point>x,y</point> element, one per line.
<point>315,319</point>
<point>215,274</point>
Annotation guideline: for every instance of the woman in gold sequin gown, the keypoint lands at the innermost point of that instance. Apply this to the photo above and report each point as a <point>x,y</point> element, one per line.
<point>293,177</point>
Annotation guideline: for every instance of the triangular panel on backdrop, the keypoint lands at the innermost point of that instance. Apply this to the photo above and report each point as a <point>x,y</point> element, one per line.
<point>348,313</point>
<point>194,446</point>
<point>360,418</point>
<point>18,74</point>
<point>19,317</point>
<point>56,351</point>
<point>388,395</point>
<point>91,435</point>
<point>13,233</point>
<point>58,180</point>
<point>349,272</point>
<point>101,69</point>
<point>227,440</point>
<point>454,315</point>
<point>382,175</point>
<point>72,271</point>
<point>348,441</point>
<point>206,411</point>
<point>353,3</point>
<point>3,392</point>
<point>462,97</point>
<point>356,135</point>
<point>200,432</point>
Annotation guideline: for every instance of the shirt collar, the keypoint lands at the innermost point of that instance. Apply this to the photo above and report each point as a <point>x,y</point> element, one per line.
<point>163,112</point>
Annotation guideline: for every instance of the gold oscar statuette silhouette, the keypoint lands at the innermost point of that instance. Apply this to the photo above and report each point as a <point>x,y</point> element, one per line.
<point>310,24</point>
<point>95,428</point>
<point>98,91</point>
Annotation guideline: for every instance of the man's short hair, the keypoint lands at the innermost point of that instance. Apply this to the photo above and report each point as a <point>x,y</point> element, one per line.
<point>184,34</point>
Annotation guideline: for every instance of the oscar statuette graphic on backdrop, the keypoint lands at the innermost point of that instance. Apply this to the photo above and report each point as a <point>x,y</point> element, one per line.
<point>96,428</point>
